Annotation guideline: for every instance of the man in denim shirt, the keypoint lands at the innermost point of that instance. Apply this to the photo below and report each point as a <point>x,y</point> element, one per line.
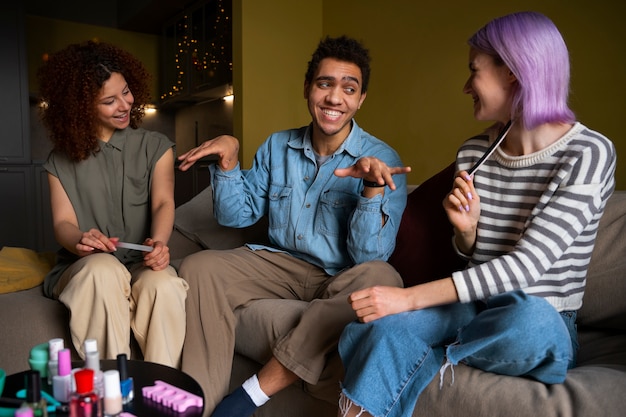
<point>334,197</point>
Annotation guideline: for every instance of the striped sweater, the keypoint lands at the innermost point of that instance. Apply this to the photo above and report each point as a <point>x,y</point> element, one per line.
<point>539,217</point>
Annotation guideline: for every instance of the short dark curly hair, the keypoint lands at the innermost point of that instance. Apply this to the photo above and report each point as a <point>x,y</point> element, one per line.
<point>70,82</point>
<point>342,48</point>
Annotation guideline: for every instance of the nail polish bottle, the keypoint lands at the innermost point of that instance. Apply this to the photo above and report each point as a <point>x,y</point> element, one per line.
<point>62,383</point>
<point>112,394</point>
<point>84,402</point>
<point>34,400</point>
<point>126,382</point>
<point>92,361</point>
<point>54,347</point>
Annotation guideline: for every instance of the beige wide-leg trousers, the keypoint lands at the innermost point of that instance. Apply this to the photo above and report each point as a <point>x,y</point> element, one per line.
<point>106,302</point>
<point>221,281</point>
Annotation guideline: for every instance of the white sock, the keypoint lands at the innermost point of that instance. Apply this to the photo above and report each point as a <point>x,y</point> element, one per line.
<point>252,387</point>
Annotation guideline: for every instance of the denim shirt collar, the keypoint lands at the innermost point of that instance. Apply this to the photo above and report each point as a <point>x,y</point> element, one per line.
<point>353,144</point>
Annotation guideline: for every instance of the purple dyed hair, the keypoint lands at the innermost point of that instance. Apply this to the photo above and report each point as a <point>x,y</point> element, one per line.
<point>532,47</point>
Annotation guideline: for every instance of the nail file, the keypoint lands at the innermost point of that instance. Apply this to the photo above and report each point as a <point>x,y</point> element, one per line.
<point>491,148</point>
<point>134,246</point>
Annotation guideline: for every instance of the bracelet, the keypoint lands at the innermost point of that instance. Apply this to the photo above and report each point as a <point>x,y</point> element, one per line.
<point>373,184</point>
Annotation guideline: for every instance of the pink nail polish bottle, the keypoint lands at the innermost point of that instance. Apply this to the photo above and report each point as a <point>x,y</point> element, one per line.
<point>62,383</point>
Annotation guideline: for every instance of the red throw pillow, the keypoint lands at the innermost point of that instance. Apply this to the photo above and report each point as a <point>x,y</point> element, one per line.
<point>424,249</point>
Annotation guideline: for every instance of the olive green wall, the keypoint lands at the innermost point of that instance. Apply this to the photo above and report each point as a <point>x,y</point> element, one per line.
<point>44,36</point>
<point>272,44</point>
<point>419,59</point>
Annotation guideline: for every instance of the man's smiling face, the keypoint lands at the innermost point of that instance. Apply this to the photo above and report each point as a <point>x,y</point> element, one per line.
<point>333,98</point>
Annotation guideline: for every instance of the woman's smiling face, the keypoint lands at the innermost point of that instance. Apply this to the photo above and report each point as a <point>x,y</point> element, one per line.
<point>114,104</point>
<point>491,87</point>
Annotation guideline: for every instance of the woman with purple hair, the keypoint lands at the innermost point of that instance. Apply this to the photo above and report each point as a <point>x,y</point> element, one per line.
<point>525,218</point>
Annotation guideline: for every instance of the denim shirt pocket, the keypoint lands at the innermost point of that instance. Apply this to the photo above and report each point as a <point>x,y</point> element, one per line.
<point>335,209</point>
<point>280,205</point>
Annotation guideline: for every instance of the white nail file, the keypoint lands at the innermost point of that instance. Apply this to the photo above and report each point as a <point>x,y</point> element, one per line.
<point>134,246</point>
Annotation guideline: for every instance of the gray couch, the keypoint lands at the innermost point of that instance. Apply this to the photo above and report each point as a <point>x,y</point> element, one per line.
<point>597,387</point>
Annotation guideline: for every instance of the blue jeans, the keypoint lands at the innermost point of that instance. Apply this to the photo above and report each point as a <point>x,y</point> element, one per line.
<point>389,362</point>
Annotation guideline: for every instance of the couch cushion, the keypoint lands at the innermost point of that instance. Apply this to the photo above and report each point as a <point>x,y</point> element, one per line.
<point>589,391</point>
<point>195,220</point>
<point>601,348</point>
<point>28,318</point>
<point>604,304</point>
<point>424,242</point>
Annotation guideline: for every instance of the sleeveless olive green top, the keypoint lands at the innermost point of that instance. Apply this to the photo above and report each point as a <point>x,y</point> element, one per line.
<point>110,191</point>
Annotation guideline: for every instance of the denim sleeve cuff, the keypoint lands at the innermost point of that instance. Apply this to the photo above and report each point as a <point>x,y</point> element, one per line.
<point>217,172</point>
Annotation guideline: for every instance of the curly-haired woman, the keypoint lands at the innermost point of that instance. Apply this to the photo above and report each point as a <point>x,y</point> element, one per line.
<point>110,181</point>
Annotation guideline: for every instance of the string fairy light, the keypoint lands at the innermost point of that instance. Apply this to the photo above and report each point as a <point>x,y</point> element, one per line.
<point>203,54</point>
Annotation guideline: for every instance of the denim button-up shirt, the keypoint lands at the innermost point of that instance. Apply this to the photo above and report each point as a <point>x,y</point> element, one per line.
<point>313,214</point>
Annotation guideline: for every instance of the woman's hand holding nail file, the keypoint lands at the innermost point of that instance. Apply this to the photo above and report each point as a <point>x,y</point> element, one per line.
<point>134,246</point>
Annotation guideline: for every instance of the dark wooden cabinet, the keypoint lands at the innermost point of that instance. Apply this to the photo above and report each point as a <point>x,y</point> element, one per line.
<point>17,219</point>
<point>15,144</point>
<point>25,216</point>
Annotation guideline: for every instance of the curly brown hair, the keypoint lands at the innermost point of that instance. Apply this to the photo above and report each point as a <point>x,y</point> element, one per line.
<point>70,82</point>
